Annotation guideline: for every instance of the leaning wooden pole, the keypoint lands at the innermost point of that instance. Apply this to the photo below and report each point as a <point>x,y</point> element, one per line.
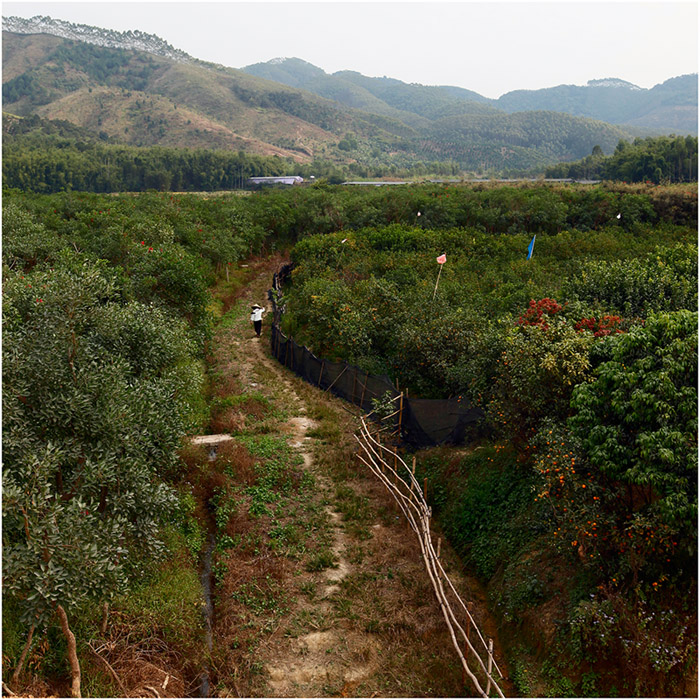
<point>386,464</point>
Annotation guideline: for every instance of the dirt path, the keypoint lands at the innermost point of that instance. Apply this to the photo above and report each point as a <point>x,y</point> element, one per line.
<point>343,606</point>
<point>305,665</point>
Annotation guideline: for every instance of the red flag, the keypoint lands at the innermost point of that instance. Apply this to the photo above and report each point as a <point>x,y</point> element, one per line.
<point>442,259</point>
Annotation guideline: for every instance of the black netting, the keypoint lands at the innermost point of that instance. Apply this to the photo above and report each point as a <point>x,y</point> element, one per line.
<point>423,422</point>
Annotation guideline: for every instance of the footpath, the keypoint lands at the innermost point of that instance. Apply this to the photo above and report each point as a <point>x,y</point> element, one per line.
<point>319,585</point>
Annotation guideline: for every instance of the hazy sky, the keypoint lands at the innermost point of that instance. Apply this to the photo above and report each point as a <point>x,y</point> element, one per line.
<point>488,47</point>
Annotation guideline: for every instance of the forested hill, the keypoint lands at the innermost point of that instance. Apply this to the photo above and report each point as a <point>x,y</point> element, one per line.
<point>109,84</point>
<point>669,107</point>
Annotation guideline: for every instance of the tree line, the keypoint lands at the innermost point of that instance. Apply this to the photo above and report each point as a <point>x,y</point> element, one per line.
<point>45,156</point>
<point>657,160</point>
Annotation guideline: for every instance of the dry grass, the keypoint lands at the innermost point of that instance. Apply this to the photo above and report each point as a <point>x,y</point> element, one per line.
<point>227,421</point>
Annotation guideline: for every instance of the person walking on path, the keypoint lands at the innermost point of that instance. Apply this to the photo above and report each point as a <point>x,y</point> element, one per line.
<point>256,314</point>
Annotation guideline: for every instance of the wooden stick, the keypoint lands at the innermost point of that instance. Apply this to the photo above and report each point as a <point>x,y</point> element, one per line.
<point>400,412</point>
<point>320,374</point>
<point>364,387</point>
<point>436,283</point>
<point>112,672</point>
<point>418,514</point>
<point>467,627</point>
<point>438,549</point>
<point>490,666</point>
<point>336,379</point>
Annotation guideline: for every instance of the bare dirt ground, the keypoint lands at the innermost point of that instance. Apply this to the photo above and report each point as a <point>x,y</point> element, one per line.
<point>348,610</point>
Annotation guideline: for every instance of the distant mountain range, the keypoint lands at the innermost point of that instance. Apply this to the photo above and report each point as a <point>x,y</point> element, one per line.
<point>669,107</point>
<point>135,88</point>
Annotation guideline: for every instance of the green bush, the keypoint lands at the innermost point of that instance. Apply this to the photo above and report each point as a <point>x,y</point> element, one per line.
<point>637,421</point>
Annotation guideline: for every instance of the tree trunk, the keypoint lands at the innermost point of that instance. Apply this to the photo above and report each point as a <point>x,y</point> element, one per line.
<point>105,618</point>
<point>72,655</point>
<point>22,659</point>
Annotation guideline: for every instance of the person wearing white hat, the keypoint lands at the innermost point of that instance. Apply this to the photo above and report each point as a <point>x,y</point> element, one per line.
<point>256,313</point>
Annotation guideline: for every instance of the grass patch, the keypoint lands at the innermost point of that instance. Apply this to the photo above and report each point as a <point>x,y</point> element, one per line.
<point>321,561</point>
<point>356,510</point>
<point>168,601</point>
<point>263,596</point>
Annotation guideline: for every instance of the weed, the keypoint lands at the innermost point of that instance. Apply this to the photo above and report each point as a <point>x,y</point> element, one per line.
<point>237,462</point>
<point>522,678</point>
<point>344,608</point>
<point>262,596</point>
<point>225,507</point>
<point>373,626</point>
<point>227,542</point>
<point>284,537</point>
<point>326,431</point>
<point>560,685</point>
<point>356,511</point>
<point>589,684</point>
<point>321,561</point>
<point>219,571</point>
<point>261,495</point>
<point>308,588</point>
<point>356,555</point>
<point>192,531</point>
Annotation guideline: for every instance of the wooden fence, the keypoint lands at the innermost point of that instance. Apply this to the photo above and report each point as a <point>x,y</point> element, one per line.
<point>400,481</point>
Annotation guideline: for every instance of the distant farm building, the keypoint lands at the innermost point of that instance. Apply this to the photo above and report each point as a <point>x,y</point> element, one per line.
<point>281,180</point>
<point>379,183</point>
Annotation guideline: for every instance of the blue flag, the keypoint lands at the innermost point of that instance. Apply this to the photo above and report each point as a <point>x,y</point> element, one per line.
<point>531,247</point>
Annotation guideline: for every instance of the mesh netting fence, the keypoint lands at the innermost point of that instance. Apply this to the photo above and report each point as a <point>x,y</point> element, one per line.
<point>419,422</point>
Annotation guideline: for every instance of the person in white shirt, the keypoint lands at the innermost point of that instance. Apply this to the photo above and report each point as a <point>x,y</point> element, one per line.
<point>256,314</point>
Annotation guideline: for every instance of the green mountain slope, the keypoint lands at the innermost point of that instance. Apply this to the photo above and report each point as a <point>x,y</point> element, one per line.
<point>670,106</point>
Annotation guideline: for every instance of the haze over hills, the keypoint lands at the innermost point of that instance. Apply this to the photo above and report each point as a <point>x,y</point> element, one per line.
<point>139,90</point>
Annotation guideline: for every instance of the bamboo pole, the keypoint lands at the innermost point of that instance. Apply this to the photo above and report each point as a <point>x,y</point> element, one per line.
<point>414,506</point>
<point>488,672</point>
<point>437,282</point>
<point>364,388</point>
<point>336,379</point>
